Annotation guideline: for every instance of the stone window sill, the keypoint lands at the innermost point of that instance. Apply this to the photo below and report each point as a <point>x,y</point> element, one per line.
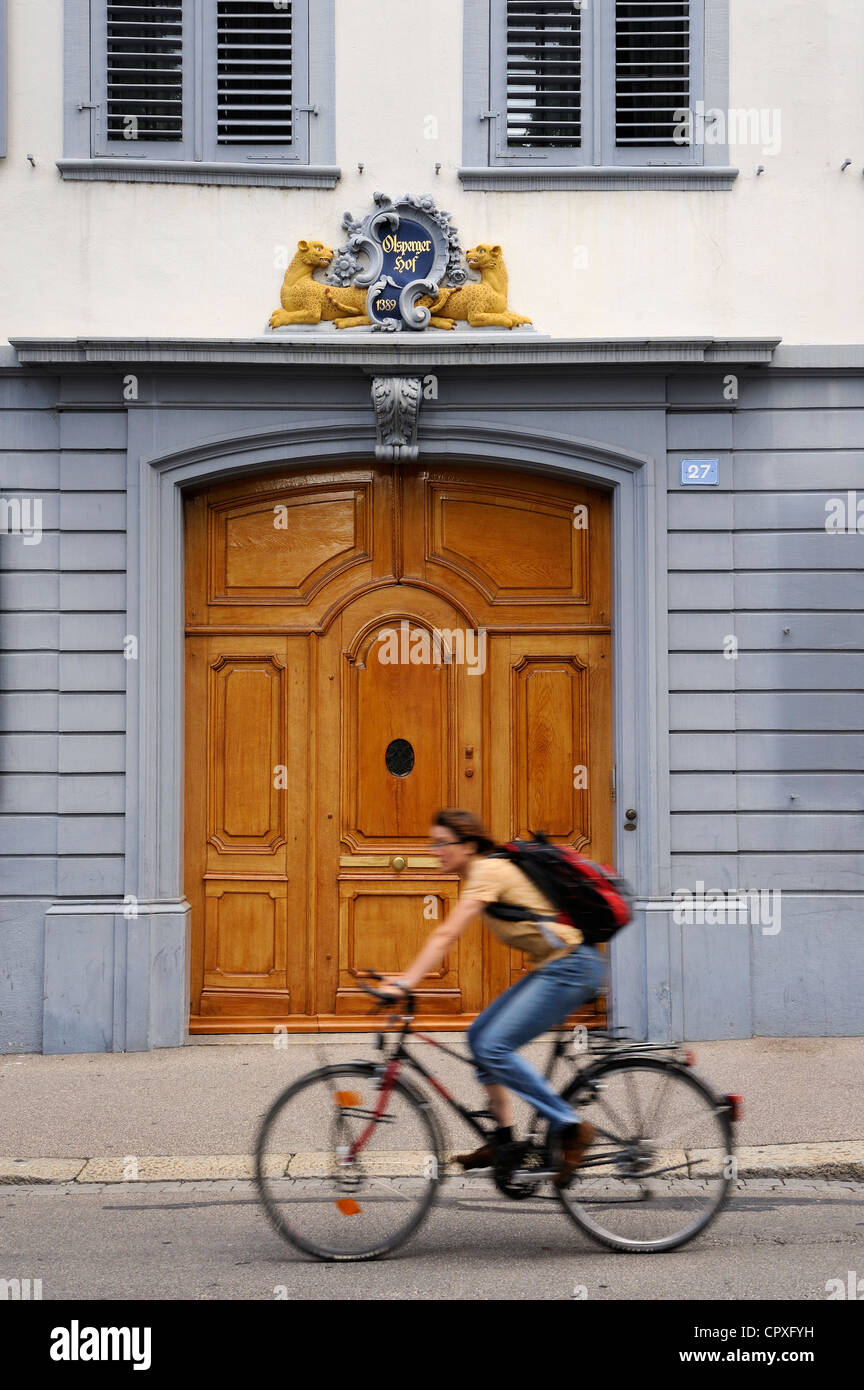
<point>124,170</point>
<point>592,178</point>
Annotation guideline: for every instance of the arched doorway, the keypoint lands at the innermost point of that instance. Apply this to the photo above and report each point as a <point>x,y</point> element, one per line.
<point>365,643</point>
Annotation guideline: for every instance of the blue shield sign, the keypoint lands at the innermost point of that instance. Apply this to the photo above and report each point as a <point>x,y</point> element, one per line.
<point>408,254</point>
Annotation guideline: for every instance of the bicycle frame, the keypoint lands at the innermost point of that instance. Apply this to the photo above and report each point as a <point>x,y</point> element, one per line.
<point>614,1044</point>
<point>400,1055</point>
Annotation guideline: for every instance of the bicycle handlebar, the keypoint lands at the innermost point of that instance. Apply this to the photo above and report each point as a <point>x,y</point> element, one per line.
<point>407,998</point>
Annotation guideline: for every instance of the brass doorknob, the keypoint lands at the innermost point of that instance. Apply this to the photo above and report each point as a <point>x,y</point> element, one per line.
<point>397,863</point>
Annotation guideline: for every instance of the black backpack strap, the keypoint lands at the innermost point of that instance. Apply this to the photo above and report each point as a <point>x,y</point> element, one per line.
<point>511,912</point>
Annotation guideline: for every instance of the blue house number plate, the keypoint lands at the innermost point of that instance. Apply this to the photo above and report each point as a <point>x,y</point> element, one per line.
<point>699,472</point>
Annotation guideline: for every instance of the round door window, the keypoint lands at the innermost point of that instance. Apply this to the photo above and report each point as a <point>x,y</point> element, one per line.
<point>399,757</point>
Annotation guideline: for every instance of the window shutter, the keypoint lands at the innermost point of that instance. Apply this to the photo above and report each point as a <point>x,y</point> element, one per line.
<point>255,72</point>
<point>543,75</point>
<point>144,72</point>
<point>652,71</point>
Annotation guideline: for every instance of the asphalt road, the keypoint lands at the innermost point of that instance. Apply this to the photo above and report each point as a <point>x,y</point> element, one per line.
<point>211,1241</point>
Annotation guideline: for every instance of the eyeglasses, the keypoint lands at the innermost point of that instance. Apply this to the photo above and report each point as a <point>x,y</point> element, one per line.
<point>443,844</point>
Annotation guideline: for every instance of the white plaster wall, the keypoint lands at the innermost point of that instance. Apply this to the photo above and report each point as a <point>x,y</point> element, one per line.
<point>776,254</point>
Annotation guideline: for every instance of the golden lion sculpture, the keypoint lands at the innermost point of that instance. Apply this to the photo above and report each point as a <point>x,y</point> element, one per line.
<point>482,304</point>
<point>306,300</point>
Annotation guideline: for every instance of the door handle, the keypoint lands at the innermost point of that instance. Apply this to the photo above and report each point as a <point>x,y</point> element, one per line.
<point>397,863</point>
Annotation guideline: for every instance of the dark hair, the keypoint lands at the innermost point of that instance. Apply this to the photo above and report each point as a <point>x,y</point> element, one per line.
<point>466,826</point>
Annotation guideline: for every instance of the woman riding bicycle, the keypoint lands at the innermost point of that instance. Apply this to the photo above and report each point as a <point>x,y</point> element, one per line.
<point>566,972</point>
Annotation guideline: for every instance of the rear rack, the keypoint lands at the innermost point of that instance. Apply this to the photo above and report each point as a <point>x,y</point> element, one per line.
<point>602,1042</point>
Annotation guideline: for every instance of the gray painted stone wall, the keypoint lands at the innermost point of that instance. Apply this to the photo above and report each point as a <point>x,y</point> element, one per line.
<point>62,707</point>
<point>766,750</point>
<point>763,790</point>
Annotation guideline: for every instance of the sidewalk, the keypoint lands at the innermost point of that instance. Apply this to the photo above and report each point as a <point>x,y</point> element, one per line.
<point>192,1112</point>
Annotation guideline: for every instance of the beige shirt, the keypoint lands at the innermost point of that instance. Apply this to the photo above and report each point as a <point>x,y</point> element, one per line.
<point>499,880</point>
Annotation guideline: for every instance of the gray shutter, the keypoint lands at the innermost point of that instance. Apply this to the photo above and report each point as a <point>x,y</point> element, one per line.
<point>541,60</point>
<point>258,68</point>
<point>544,74</point>
<point>655,68</point>
<point>143,57</point>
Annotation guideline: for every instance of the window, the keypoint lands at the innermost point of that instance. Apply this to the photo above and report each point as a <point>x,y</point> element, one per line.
<point>216,91</point>
<point>592,94</point>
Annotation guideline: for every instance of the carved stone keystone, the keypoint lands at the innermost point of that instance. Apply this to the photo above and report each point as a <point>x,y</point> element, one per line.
<point>397,409</point>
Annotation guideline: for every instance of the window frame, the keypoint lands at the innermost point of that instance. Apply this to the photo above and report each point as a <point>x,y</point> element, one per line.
<point>198,157</point>
<point>604,166</point>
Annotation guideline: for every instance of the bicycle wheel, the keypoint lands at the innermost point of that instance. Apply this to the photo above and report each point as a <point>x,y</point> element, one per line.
<point>659,1167</point>
<point>336,1181</point>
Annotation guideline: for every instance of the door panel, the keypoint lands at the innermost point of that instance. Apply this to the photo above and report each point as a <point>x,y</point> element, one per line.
<point>549,711</point>
<point>550,744</point>
<point>366,644</point>
<point>247,708</point>
<point>406,717</point>
<point>245,935</point>
<point>280,551</point>
<point>514,547</point>
<point>383,923</point>
<point>246,780</point>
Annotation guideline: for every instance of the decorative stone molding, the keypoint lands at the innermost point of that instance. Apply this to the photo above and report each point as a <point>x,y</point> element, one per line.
<point>463,347</point>
<point>113,169</point>
<point>397,410</point>
<point>594,178</point>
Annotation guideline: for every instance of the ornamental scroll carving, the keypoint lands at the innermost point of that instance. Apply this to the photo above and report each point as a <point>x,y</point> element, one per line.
<point>396,400</point>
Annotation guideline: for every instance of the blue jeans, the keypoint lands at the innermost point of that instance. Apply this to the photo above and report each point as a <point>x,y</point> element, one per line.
<point>540,1000</point>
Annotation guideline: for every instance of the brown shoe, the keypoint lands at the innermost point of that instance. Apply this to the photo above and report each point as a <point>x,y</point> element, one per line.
<point>480,1158</point>
<point>573,1151</point>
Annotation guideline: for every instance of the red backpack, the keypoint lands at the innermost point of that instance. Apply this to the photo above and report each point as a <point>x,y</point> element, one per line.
<point>589,896</point>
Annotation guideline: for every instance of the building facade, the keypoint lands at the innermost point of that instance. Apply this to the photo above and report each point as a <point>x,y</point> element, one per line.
<point>561,522</point>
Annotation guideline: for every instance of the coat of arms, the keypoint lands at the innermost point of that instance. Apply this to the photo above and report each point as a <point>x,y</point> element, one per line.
<point>401,267</point>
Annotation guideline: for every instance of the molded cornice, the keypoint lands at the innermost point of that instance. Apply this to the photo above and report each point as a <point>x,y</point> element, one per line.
<point>475,348</point>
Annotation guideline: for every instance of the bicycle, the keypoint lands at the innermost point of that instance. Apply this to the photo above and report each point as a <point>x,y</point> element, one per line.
<point>345,1149</point>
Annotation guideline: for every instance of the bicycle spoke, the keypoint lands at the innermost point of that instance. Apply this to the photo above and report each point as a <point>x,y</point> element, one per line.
<point>640,1191</point>
<point>362,1165</point>
<point>695,1119</point>
<point>661,1092</point>
<point>603,1101</point>
<point>630,1083</point>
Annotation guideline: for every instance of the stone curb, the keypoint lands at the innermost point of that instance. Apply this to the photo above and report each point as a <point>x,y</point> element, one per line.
<point>15,1170</point>
<point>831,1159</point>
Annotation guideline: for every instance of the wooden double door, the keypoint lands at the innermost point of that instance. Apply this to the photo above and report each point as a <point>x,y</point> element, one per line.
<point>365,645</point>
